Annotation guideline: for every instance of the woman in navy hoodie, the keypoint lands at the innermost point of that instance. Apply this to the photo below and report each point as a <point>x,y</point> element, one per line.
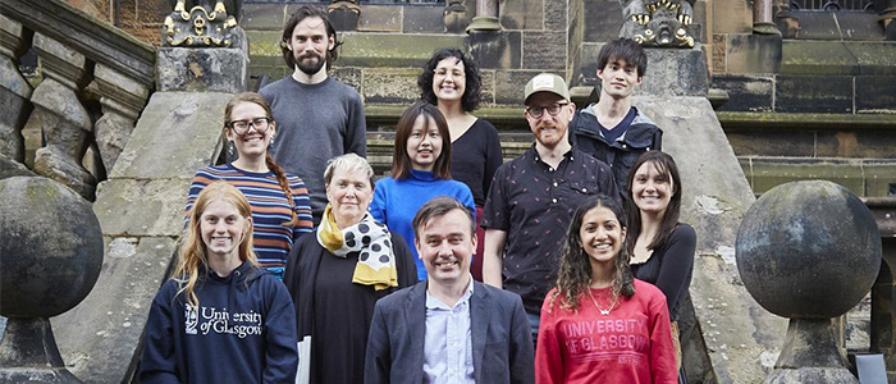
<point>220,318</point>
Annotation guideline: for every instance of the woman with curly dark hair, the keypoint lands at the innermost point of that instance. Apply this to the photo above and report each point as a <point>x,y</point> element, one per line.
<point>599,324</point>
<point>451,81</point>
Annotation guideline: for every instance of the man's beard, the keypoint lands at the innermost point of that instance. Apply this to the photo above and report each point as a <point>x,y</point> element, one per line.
<point>310,68</point>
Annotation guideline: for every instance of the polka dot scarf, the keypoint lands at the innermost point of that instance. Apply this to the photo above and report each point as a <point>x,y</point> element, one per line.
<point>367,240</point>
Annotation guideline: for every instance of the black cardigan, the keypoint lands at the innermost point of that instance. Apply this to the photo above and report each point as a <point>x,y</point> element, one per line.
<point>302,267</point>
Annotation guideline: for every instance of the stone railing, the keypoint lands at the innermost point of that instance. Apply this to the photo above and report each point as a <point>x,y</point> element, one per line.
<point>93,83</point>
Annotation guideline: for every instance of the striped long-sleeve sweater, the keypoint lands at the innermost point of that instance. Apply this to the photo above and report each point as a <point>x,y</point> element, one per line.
<point>273,236</point>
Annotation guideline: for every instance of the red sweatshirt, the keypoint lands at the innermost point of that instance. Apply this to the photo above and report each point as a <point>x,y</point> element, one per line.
<point>630,345</point>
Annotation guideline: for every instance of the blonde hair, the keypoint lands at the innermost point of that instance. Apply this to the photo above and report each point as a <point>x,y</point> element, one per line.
<point>347,163</point>
<point>192,259</point>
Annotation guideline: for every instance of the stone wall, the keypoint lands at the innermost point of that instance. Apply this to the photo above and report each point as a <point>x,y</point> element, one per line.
<point>383,57</point>
<point>140,18</point>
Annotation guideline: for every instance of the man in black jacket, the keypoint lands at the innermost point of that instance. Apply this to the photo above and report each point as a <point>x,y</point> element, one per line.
<point>612,130</point>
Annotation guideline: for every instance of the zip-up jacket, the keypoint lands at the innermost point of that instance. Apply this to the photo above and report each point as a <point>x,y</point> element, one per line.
<point>642,135</point>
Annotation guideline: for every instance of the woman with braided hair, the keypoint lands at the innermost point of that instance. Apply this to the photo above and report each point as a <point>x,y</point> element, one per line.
<point>281,208</point>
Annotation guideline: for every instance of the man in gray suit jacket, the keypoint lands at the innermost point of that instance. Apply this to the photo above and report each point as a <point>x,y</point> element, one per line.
<point>448,329</point>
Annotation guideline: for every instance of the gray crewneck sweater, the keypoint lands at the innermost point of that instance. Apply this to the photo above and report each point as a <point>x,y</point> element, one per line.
<point>315,122</point>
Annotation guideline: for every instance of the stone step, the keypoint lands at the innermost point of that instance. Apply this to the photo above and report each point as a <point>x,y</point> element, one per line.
<point>864,177</point>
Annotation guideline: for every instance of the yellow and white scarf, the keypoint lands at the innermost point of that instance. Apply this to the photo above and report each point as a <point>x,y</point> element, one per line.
<point>368,239</point>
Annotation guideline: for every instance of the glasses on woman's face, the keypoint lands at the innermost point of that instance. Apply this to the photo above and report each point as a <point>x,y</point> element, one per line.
<point>538,111</point>
<point>261,125</point>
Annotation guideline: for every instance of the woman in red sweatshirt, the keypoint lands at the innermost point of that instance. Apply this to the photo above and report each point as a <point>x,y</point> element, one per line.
<point>599,324</point>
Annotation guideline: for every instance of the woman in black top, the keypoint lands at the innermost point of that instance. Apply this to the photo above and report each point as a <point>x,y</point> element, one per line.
<point>662,249</point>
<point>451,81</point>
<point>337,274</point>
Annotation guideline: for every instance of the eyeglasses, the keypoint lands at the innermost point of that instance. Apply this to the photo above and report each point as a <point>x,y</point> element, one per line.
<point>553,110</point>
<point>261,125</point>
<point>442,72</point>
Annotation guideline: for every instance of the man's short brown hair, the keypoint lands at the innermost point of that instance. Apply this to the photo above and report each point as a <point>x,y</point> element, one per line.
<point>438,207</point>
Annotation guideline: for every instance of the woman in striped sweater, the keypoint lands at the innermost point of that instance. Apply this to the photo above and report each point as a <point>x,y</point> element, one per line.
<point>280,205</point>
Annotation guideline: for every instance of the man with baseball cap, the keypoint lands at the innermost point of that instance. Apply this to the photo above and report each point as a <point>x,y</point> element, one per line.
<point>533,197</point>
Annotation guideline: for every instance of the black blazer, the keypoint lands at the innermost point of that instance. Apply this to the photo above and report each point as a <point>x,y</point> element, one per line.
<point>502,344</point>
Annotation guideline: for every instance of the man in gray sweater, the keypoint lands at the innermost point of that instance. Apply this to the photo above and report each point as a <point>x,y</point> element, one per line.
<point>318,117</point>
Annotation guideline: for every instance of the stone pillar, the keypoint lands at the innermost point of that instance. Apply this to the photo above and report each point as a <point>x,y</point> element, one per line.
<point>58,112</point>
<point>122,99</point>
<point>14,90</point>
<point>763,23</point>
<point>486,17</point>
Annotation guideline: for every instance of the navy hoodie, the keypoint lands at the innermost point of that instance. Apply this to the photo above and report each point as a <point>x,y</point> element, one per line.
<point>244,331</point>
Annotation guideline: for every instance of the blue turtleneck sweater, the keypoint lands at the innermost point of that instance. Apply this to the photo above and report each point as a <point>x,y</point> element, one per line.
<point>395,202</point>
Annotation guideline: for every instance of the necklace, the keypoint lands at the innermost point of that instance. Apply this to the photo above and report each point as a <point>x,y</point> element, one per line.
<point>605,312</point>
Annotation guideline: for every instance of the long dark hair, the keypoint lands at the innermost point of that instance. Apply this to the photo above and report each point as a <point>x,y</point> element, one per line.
<point>300,14</point>
<point>472,80</point>
<point>664,164</point>
<point>574,275</point>
<point>401,162</point>
<point>254,98</point>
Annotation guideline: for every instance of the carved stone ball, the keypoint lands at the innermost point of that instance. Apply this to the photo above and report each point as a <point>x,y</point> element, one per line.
<point>51,247</point>
<point>808,249</point>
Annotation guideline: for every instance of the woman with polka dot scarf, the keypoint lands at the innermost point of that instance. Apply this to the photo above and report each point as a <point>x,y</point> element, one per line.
<point>336,276</point>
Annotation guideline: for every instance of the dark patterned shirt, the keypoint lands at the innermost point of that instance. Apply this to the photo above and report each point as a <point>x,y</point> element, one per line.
<point>534,204</point>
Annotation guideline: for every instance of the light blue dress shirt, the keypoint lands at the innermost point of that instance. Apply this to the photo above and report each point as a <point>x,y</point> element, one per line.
<point>448,344</point>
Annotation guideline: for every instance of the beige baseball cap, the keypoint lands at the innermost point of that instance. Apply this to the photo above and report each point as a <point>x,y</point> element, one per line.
<point>547,82</point>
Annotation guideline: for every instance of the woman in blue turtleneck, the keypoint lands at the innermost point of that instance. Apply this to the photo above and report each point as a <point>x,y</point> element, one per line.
<point>420,171</point>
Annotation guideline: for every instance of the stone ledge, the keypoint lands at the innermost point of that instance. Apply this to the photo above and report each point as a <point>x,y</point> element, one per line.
<point>864,177</point>
<point>838,58</point>
<point>746,121</point>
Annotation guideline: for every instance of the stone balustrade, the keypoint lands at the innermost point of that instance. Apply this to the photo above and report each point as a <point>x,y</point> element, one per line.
<point>93,83</point>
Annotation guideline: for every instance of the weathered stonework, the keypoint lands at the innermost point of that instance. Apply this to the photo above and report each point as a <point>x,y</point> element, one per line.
<point>116,309</point>
<point>829,94</point>
<point>752,54</point>
<point>747,93</point>
<point>193,70</point>
<point>522,14</point>
<point>391,86</point>
<point>14,91</point>
<point>602,20</point>
<point>544,50</point>
<point>741,338</point>
<point>65,123</point>
<point>122,99</point>
<point>174,126</point>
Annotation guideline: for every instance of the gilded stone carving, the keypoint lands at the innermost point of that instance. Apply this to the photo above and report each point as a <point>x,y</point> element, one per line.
<point>659,23</point>
<point>202,25</point>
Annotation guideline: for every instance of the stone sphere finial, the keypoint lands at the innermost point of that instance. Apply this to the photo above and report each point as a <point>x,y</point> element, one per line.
<point>810,251</point>
<point>51,250</point>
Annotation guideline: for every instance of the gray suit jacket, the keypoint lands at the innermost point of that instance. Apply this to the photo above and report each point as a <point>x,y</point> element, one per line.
<point>502,345</point>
